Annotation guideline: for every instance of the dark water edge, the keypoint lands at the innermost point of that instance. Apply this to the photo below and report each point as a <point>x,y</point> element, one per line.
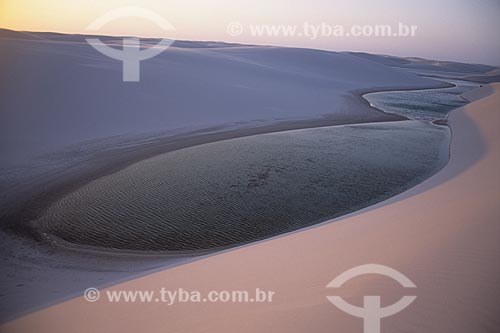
<point>237,191</point>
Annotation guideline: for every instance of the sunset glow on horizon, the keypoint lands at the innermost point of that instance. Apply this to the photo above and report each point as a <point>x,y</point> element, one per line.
<point>456,30</point>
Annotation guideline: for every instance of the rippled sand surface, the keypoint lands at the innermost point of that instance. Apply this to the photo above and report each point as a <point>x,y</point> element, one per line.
<point>236,191</point>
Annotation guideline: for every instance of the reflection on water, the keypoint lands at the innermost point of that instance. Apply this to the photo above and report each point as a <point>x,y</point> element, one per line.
<point>241,190</point>
<point>429,105</point>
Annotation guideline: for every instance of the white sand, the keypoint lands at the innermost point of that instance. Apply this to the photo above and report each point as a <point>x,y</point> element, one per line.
<point>67,117</point>
<point>443,234</point>
<point>63,92</point>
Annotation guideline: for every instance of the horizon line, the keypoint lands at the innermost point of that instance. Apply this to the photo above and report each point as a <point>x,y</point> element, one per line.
<point>243,44</point>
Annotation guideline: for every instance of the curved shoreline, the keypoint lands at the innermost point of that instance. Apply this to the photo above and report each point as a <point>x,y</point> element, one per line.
<point>449,250</point>
<point>49,226</point>
<point>17,214</point>
<point>163,260</point>
<point>362,92</point>
<point>110,162</point>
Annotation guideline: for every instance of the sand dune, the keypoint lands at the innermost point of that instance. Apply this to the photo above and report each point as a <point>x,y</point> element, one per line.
<point>63,102</point>
<point>69,93</point>
<point>489,77</point>
<point>67,118</point>
<point>413,63</point>
<point>442,234</point>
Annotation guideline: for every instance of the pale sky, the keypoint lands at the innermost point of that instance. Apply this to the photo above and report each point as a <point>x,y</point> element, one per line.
<point>461,30</point>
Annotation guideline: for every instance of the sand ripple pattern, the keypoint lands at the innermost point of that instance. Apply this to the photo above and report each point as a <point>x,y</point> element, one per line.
<point>236,191</point>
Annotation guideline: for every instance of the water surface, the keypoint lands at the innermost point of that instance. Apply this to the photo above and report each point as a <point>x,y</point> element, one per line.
<point>426,105</point>
<point>241,190</point>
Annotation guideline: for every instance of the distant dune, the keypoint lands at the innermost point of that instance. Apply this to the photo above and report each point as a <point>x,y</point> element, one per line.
<point>67,117</point>
<point>424,64</point>
<point>58,91</point>
<point>491,76</point>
